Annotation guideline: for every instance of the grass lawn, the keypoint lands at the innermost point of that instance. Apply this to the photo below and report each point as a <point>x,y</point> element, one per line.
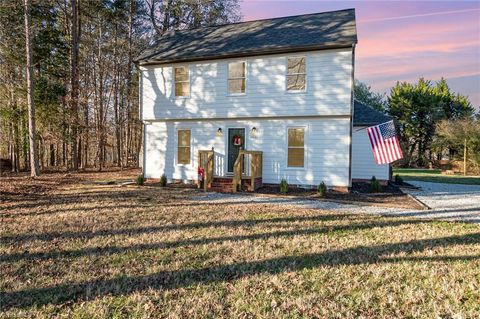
<point>81,250</point>
<point>435,176</point>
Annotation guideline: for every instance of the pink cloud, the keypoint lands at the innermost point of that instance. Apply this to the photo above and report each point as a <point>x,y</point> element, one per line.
<point>419,37</point>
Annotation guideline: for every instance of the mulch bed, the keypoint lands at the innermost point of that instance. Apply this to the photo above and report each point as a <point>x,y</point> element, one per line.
<point>390,196</point>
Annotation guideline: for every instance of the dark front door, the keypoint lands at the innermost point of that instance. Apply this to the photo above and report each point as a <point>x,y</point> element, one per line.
<point>233,147</point>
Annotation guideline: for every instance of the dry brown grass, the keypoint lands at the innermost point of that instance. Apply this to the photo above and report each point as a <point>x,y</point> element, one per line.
<point>82,250</point>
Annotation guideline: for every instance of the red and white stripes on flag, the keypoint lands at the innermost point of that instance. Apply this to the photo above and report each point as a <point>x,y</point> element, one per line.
<point>385,145</point>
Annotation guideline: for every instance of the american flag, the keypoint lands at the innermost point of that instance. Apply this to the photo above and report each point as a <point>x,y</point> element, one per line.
<point>385,144</point>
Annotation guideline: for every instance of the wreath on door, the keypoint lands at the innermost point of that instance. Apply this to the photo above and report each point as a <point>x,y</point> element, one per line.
<point>237,140</point>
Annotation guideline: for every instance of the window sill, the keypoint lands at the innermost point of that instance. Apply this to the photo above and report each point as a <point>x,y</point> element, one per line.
<point>181,164</point>
<point>296,92</point>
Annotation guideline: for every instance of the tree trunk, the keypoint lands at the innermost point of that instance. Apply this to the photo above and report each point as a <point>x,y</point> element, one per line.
<point>16,147</point>
<point>74,82</point>
<point>86,138</point>
<point>52,155</point>
<point>129,113</point>
<point>116,79</point>
<point>34,171</point>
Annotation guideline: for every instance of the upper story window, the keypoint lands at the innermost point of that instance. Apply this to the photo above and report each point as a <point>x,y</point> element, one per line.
<point>182,81</point>
<point>236,77</point>
<point>183,147</point>
<point>296,74</point>
<point>296,147</point>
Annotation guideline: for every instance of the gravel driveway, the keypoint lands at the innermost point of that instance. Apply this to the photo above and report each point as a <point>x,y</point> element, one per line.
<point>448,202</point>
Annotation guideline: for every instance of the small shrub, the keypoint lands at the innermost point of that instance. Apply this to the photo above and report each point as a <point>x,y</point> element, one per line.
<point>163,181</point>
<point>283,186</point>
<point>374,185</point>
<point>140,179</point>
<point>398,180</point>
<point>322,189</point>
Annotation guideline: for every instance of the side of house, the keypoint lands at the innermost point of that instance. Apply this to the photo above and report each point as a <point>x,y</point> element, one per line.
<point>363,161</point>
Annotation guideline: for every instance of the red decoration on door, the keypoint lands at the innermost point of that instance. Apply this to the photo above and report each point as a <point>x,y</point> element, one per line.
<point>237,140</point>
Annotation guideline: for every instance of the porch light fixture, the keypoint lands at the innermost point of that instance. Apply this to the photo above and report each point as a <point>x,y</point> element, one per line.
<point>254,131</point>
<point>219,131</point>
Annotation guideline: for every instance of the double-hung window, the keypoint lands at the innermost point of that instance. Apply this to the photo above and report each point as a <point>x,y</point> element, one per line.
<point>182,81</point>
<point>236,77</point>
<point>183,147</point>
<point>296,74</point>
<point>296,147</point>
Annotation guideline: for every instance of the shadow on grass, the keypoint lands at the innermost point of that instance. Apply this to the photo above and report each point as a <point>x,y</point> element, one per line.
<point>86,197</point>
<point>96,251</point>
<point>461,214</point>
<point>164,280</point>
<point>75,210</point>
<point>93,194</point>
<point>153,229</point>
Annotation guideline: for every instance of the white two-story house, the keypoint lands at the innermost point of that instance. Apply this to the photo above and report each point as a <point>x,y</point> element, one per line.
<point>272,99</point>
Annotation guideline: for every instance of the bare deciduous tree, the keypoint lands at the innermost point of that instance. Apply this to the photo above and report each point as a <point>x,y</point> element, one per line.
<point>34,170</point>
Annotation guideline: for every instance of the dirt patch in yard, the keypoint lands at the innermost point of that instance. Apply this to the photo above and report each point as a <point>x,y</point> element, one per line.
<point>390,196</point>
<point>14,186</point>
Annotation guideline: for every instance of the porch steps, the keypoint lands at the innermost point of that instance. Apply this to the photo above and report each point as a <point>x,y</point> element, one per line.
<point>221,185</point>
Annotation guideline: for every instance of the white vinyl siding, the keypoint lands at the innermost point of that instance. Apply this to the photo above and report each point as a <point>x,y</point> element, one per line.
<point>328,79</point>
<point>363,162</point>
<point>326,149</point>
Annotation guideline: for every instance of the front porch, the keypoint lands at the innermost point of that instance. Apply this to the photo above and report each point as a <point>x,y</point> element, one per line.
<point>246,176</point>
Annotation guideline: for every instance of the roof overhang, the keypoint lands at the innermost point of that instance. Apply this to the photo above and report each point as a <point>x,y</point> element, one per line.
<point>144,62</point>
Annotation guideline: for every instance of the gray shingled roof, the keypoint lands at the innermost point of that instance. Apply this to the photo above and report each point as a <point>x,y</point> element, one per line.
<point>364,115</point>
<point>279,35</point>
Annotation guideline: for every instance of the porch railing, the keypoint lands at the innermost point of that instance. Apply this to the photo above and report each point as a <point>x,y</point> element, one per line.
<point>206,161</point>
<point>255,159</point>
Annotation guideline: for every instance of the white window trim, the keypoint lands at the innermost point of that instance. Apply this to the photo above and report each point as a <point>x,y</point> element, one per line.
<point>286,74</point>
<point>228,78</point>
<point>296,168</point>
<point>176,146</point>
<point>187,66</point>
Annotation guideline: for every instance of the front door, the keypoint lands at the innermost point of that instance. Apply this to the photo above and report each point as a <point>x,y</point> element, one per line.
<point>236,140</point>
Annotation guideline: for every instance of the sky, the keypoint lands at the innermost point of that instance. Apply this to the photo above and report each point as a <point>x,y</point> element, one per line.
<point>402,40</point>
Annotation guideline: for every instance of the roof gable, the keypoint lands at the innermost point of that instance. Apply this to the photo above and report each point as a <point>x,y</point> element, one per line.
<point>278,35</point>
<point>364,115</point>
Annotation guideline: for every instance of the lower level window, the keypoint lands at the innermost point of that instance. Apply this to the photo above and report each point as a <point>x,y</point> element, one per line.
<point>296,147</point>
<point>183,147</point>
